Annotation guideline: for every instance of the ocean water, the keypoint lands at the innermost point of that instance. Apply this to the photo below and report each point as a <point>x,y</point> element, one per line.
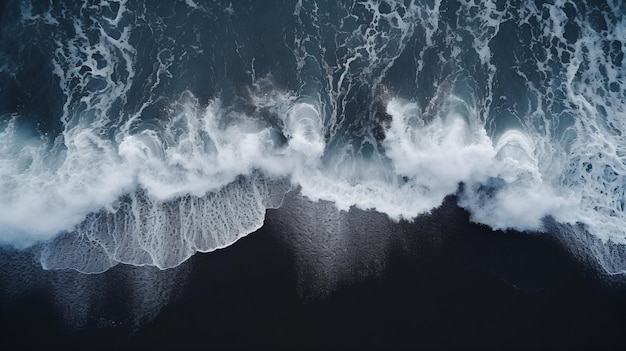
<point>139,133</point>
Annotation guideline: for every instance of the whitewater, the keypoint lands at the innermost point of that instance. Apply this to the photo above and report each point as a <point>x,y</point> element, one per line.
<point>141,132</point>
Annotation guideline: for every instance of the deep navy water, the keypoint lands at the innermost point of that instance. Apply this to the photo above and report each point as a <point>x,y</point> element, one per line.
<point>350,172</point>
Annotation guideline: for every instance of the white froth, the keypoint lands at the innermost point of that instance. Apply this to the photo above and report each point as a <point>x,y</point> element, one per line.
<point>203,175</point>
<point>521,199</point>
<point>303,127</point>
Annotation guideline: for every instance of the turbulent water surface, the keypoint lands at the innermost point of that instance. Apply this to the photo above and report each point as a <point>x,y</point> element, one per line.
<point>142,132</point>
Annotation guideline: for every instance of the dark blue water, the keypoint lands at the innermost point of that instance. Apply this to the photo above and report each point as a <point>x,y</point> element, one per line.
<point>137,134</point>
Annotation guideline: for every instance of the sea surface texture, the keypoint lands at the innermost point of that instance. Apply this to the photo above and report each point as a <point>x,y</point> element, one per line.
<point>142,132</point>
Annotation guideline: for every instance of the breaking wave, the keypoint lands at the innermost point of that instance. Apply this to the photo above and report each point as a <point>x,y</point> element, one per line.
<point>141,133</point>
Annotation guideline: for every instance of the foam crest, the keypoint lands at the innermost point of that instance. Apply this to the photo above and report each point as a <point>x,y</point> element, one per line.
<point>169,193</point>
<point>114,202</point>
<point>428,158</point>
<point>80,171</point>
<point>17,155</point>
<point>199,150</point>
<point>517,197</point>
<point>58,188</point>
<point>438,153</point>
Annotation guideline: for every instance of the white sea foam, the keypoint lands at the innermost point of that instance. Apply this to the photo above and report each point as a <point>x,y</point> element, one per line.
<point>518,198</point>
<point>198,175</point>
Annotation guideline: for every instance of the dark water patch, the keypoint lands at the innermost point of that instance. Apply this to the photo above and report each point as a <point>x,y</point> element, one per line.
<point>469,287</point>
